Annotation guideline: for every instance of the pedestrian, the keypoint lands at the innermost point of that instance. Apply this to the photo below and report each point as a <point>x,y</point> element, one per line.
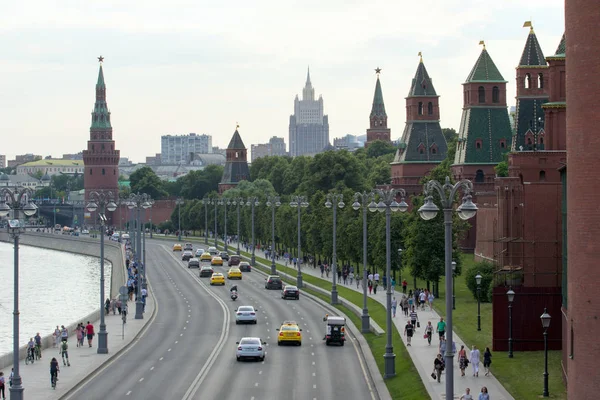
<point>358,281</point>
<point>467,395</point>
<point>351,277</point>
<point>408,332</point>
<point>119,305</point>
<point>484,395</point>
<point>375,287</point>
<point>89,330</point>
<point>441,328</point>
<point>404,286</point>
<point>404,303</point>
<point>438,367</point>
<point>475,360</point>
<point>487,360</point>
<point>64,333</point>
<point>430,300</point>
<point>422,298</point>
<point>393,285</point>
<point>376,277</point>
<point>442,347</point>
<point>322,268</point>
<point>394,305</point>
<point>56,336</point>
<point>463,361</point>
<point>413,317</point>
<point>370,286</point>
<point>107,306</point>
<point>429,332</point>
<point>2,392</point>
<point>65,353</point>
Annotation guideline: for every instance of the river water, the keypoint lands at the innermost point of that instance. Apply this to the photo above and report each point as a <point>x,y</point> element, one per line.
<point>56,288</point>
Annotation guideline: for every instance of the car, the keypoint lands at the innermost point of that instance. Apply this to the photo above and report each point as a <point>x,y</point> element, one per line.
<point>188,246</point>
<point>234,273</point>
<point>273,282</point>
<point>216,260</point>
<point>193,263</point>
<point>186,255</point>
<point>217,278</point>
<point>245,266</point>
<point>206,271</point>
<point>290,291</point>
<point>224,255</point>
<point>245,314</point>
<point>289,332</point>
<point>250,347</point>
<point>125,236</point>
<point>176,246</point>
<point>213,251</point>
<point>199,252</point>
<point>115,236</point>
<point>86,232</point>
<point>234,260</point>
<point>205,257</point>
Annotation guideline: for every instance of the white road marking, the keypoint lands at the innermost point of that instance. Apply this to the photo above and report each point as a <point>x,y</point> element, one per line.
<point>128,393</point>
<point>160,359</point>
<point>151,369</point>
<point>256,384</point>
<point>314,386</point>
<point>181,334</point>
<point>260,372</point>
<point>169,350</point>
<point>141,379</point>
<point>177,341</point>
<point>314,374</point>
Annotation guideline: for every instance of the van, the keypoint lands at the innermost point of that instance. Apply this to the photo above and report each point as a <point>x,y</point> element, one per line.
<point>234,260</point>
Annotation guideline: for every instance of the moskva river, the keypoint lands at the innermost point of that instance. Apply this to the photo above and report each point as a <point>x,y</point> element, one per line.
<point>55,288</point>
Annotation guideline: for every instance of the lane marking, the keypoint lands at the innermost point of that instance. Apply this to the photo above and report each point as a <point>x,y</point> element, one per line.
<point>256,384</point>
<point>141,379</point>
<point>160,359</point>
<point>314,386</point>
<point>151,369</point>
<point>128,393</point>
<point>169,350</point>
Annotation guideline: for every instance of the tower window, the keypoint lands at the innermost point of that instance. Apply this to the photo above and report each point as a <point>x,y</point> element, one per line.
<point>542,176</point>
<point>91,171</point>
<point>420,108</point>
<point>481,92</point>
<point>527,81</point>
<point>502,144</point>
<point>479,176</point>
<point>237,154</point>
<point>103,172</point>
<point>478,144</point>
<point>430,108</point>
<point>495,95</point>
<point>540,80</point>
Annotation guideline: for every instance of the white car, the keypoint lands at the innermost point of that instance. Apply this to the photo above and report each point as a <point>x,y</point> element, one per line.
<point>245,314</point>
<point>85,232</point>
<point>213,251</point>
<point>250,347</point>
<point>199,252</point>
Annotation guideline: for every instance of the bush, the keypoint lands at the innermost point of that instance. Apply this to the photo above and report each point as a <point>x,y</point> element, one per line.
<point>167,225</point>
<point>486,270</point>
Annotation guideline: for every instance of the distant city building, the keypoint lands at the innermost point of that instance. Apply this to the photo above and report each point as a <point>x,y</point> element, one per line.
<point>22,180</point>
<point>51,167</point>
<point>123,161</point>
<point>309,127</point>
<point>78,156</point>
<point>164,172</point>
<point>2,161</point>
<point>180,149</point>
<point>154,160</point>
<point>236,167</point>
<point>22,159</point>
<point>218,150</point>
<point>275,147</point>
<point>348,142</point>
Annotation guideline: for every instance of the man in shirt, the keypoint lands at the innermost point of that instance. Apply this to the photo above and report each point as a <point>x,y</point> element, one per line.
<point>413,317</point>
<point>89,329</point>
<point>408,332</point>
<point>441,328</point>
<point>38,344</point>
<point>64,333</point>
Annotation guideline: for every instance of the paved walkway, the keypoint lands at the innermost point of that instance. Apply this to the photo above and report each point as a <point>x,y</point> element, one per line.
<point>84,360</point>
<point>421,353</point>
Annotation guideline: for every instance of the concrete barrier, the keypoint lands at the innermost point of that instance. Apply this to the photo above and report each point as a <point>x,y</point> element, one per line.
<point>113,252</point>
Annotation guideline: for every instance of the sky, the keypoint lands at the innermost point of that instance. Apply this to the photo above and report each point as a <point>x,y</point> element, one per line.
<point>179,66</point>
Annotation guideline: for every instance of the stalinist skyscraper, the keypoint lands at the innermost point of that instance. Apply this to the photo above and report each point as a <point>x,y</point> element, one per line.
<point>309,128</point>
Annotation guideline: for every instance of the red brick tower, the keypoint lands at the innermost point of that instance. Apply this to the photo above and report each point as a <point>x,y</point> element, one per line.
<point>236,164</point>
<point>583,197</point>
<point>556,108</point>
<point>378,129</point>
<point>101,159</point>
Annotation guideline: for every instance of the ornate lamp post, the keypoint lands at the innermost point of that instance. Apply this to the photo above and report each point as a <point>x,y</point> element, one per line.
<point>545,317</point>
<point>206,202</point>
<point>225,202</point>
<point>447,193</point>
<point>453,287</point>
<point>272,202</point>
<point>215,202</point>
<point>387,203</point>
<point>147,205</point>
<point>102,200</point>
<point>299,202</point>
<point>16,199</point>
<point>478,280</point>
<point>139,201</point>
<point>511,297</point>
<point>179,202</point>
<point>362,200</point>
<point>238,201</point>
<point>333,200</point>
<point>252,202</point>
<point>400,265</point>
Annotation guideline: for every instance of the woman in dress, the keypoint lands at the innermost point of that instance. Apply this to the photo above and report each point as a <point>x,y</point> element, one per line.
<point>487,360</point>
<point>475,360</point>
<point>462,360</point>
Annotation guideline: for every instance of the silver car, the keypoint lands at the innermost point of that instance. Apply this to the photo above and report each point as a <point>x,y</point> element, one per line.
<point>245,314</point>
<point>250,347</point>
<point>199,252</point>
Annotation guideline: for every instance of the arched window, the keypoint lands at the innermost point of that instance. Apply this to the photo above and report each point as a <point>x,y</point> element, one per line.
<point>502,144</point>
<point>479,176</point>
<point>540,80</point>
<point>478,144</point>
<point>527,81</point>
<point>495,95</point>
<point>430,108</point>
<point>542,176</point>
<point>420,108</point>
<point>103,172</point>
<point>91,171</point>
<point>481,94</point>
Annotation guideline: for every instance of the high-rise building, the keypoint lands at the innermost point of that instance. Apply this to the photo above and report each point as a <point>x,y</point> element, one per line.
<point>348,142</point>
<point>22,159</point>
<point>2,161</point>
<point>236,166</point>
<point>309,128</point>
<point>378,129</point>
<point>180,149</point>
<point>275,147</point>
<point>101,159</point>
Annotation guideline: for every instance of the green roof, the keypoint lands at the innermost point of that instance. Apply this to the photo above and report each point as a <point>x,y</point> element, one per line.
<point>101,115</point>
<point>53,163</point>
<point>236,142</point>
<point>378,108</point>
<point>485,70</point>
<point>100,77</point>
<point>423,142</point>
<point>532,53</point>
<point>561,49</point>
<point>421,85</point>
<point>529,110</point>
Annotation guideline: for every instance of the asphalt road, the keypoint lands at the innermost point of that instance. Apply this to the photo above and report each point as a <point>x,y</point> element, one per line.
<point>189,350</point>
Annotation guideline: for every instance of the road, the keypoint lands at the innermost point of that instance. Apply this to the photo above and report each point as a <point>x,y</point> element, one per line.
<point>189,350</point>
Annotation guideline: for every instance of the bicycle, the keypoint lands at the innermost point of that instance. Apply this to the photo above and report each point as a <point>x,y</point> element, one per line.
<point>30,357</point>
<point>53,379</point>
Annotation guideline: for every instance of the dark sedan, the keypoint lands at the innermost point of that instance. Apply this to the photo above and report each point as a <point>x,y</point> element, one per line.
<point>206,272</point>
<point>290,292</point>
<point>224,255</point>
<point>245,266</point>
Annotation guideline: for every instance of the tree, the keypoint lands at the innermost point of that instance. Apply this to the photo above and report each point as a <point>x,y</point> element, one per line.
<point>502,167</point>
<point>380,148</point>
<point>144,180</point>
<point>486,270</point>
<point>450,134</point>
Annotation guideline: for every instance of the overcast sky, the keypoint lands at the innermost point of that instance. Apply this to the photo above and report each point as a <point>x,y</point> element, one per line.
<point>178,66</point>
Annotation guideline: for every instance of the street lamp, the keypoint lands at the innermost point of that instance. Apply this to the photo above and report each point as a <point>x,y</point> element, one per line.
<point>334,199</point>
<point>15,228</point>
<point>225,202</point>
<point>103,200</point>
<point>252,202</point>
<point>361,200</point>
<point>139,201</point>
<point>206,202</point>
<point>453,287</point>
<point>545,317</point>
<point>238,201</point>
<point>511,297</point>
<point>215,202</point>
<point>478,280</point>
<point>299,202</point>
<point>387,203</point>
<point>400,266</point>
<point>447,193</point>
<point>273,201</point>
<point>179,202</point>
<point>147,205</point>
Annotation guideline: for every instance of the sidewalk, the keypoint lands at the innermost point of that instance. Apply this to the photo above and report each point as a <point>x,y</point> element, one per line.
<point>84,360</point>
<point>421,353</point>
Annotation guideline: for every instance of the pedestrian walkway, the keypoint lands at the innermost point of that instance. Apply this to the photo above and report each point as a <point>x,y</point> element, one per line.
<point>421,353</point>
<point>84,360</point>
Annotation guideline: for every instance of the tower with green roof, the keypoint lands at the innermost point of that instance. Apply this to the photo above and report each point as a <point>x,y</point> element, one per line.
<point>556,108</point>
<point>485,133</point>
<point>236,164</point>
<point>422,145</point>
<point>532,93</point>
<point>378,129</point>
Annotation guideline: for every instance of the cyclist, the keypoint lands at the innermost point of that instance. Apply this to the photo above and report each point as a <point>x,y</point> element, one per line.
<point>64,347</point>
<point>54,370</point>
<point>38,345</point>
<point>31,350</point>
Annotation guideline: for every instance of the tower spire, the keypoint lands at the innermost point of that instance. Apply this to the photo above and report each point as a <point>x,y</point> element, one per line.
<point>378,108</point>
<point>532,53</point>
<point>308,83</point>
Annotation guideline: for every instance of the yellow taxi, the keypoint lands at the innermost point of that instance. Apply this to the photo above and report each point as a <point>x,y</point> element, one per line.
<point>216,260</point>
<point>234,273</point>
<point>205,257</point>
<point>177,247</point>
<point>289,332</point>
<point>217,279</point>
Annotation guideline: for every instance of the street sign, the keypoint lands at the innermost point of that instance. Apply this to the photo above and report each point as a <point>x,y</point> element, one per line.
<point>124,298</point>
<point>123,290</point>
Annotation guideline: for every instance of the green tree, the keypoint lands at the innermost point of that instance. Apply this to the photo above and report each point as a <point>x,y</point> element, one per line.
<point>450,134</point>
<point>380,148</point>
<point>502,167</point>
<point>486,270</point>
<point>144,180</point>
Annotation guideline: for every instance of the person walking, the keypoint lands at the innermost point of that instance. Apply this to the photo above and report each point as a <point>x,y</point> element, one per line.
<point>429,332</point>
<point>375,287</point>
<point>441,328</point>
<point>65,353</point>
<point>56,335</point>
<point>442,347</point>
<point>64,334</point>
<point>467,395</point>
<point>487,360</point>
<point>463,362</point>
<point>430,299</point>
<point>2,385</point>
<point>438,367</point>
<point>408,332</point>
<point>89,330</point>
<point>484,395</point>
<point>414,317</point>
<point>404,303</point>
<point>370,286</point>
<point>79,331</point>
<point>394,305</point>
<point>351,277</point>
<point>475,360</point>
<point>404,286</point>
